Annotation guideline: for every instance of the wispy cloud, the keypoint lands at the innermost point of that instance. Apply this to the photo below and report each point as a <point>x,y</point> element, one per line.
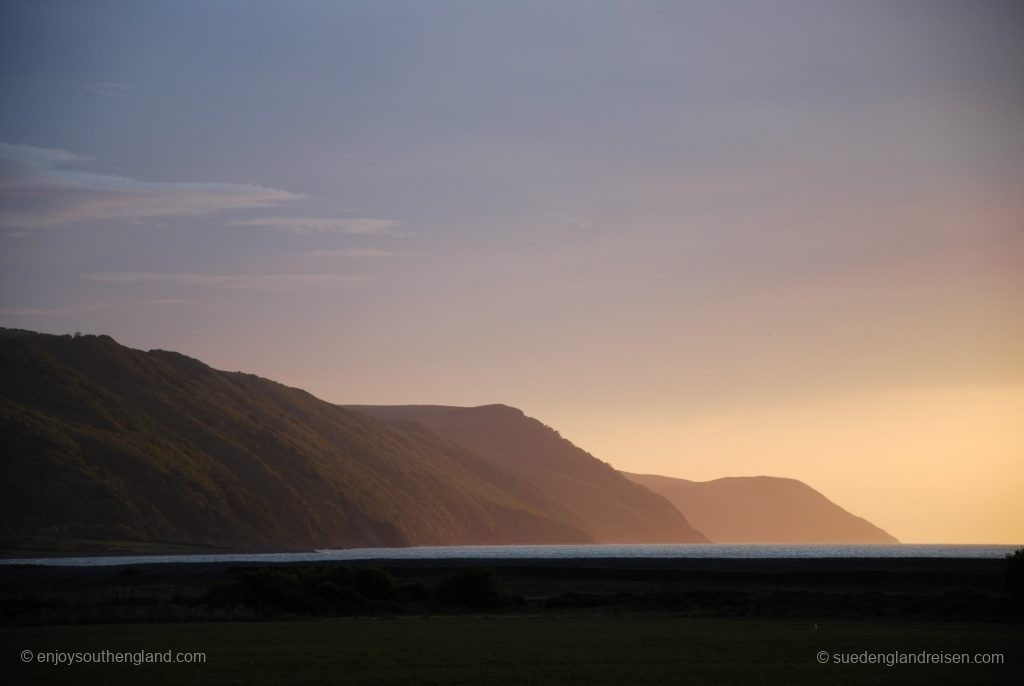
<point>354,225</point>
<point>78,309</point>
<point>163,301</point>
<point>349,252</point>
<point>255,282</point>
<point>36,190</point>
<point>34,312</point>
<point>52,311</point>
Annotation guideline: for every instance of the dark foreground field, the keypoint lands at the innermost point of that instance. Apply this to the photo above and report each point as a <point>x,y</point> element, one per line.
<point>526,649</point>
<point>519,621</point>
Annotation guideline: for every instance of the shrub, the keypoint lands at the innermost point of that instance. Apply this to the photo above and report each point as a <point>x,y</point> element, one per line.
<point>1015,573</point>
<point>264,589</point>
<point>304,590</point>
<point>472,587</point>
<point>374,583</point>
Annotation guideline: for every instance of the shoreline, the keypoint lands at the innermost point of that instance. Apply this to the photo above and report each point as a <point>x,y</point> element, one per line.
<point>506,554</point>
<point>929,566</point>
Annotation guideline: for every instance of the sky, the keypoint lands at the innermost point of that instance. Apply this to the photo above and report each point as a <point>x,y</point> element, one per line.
<point>700,239</point>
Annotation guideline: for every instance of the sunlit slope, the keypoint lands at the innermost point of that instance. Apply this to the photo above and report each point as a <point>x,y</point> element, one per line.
<point>763,509</point>
<point>100,441</point>
<point>614,509</point>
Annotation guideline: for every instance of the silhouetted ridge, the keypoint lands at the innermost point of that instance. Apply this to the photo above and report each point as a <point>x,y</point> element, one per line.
<point>103,442</point>
<point>613,509</point>
<point>763,509</point>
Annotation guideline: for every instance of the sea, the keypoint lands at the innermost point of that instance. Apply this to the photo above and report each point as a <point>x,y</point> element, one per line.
<point>545,552</point>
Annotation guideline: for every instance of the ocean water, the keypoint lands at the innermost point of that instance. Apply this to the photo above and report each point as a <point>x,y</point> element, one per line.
<point>547,552</point>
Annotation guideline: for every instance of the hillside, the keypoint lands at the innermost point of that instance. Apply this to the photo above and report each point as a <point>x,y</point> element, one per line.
<point>763,509</point>
<point>614,509</point>
<point>103,442</point>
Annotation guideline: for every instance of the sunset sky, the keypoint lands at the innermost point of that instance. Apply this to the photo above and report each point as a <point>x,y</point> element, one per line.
<point>699,239</point>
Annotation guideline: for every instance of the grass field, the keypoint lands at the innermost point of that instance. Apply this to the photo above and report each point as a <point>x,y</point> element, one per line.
<point>523,649</point>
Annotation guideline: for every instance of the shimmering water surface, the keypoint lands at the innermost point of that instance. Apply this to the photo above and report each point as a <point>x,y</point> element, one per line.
<point>542,552</point>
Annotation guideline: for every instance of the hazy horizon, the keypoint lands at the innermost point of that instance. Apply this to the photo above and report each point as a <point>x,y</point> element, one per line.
<point>699,240</point>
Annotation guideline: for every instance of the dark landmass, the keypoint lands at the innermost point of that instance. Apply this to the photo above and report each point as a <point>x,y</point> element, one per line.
<point>821,588</point>
<point>101,443</point>
<point>762,509</point>
<point>613,509</point>
<point>609,621</point>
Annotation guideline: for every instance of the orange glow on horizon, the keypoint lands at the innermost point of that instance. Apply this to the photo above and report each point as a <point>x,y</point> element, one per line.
<point>929,465</point>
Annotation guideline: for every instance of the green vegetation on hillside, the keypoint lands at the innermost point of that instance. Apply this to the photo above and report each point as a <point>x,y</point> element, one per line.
<point>101,442</point>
